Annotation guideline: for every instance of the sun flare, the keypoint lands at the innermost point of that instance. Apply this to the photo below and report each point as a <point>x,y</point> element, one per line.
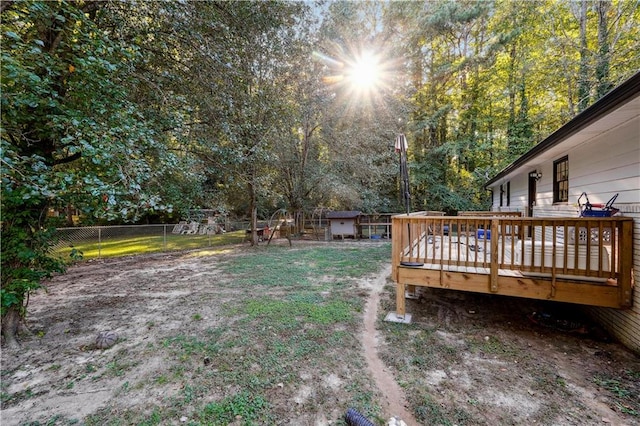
<point>360,77</point>
<point>365,72</point>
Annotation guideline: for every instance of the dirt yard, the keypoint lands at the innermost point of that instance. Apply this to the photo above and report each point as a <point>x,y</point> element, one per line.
<point>487,360</point>
<point>465,359</point>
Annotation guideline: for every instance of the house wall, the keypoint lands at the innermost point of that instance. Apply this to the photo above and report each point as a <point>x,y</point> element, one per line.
<point>625,324</point>
<point>601,167</point>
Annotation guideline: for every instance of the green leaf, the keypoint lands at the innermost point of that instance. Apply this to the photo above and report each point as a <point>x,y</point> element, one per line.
<point>12,35</point>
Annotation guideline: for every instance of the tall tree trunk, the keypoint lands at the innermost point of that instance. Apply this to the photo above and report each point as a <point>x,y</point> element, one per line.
<point>602,60</point>
<point>512,89</point>
<point>10,324</point>
<point>583,73</point>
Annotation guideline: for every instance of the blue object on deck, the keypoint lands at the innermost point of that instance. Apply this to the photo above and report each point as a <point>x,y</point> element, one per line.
<point>480,234</point>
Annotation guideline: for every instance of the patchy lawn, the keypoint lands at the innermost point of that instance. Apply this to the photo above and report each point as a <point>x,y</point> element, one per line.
<point>474,359</point>
<point>279,335</point>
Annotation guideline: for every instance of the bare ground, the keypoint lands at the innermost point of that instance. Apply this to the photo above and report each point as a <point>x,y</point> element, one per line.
<point>465,359</point>
<point>485,360</point>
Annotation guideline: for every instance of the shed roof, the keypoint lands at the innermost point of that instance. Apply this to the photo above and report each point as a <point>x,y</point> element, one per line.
<point>345,214</point>
<point>607,107</point>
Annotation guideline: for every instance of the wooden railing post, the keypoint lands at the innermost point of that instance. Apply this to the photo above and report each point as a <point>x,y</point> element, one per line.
<point>554,242</point>
<point>396,246</point>
<point>625,261</point>
<point>495,264</point>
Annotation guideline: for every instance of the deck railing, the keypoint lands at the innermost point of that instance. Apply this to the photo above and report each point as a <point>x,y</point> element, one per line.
<point>590,250</point>
<point>489,214</point>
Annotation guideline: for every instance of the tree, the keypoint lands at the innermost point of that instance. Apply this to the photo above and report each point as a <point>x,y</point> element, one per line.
<point>299,148</point>
<point>231,66</point>
<point>583,75</point>
<point>360,121</point>
<point>596,40</point>
<point>492,79</point>
<point>449,102</point>
<point>70,135</point>
<point>602,59</point>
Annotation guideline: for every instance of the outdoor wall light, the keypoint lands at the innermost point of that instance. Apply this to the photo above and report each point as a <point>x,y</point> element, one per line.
<point>535,175</point>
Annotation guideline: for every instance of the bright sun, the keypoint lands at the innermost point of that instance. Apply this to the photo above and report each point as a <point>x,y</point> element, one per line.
<point>365,72</point>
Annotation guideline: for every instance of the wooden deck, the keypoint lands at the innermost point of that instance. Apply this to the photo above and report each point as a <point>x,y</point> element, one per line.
<point>578,260</point>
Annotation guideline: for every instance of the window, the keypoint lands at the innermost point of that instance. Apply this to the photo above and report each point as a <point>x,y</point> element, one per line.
<point>505,193</point>
<point>561,180</point>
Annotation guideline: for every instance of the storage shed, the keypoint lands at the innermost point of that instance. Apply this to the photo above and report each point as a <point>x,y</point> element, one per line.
<point>343,223</point>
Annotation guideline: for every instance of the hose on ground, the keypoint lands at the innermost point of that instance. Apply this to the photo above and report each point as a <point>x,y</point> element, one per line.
<point>354,418</point>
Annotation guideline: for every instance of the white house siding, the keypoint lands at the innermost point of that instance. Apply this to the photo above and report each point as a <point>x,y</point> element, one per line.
<point>518,196</point>
<point>608,165</point>
<point>625,324</point>
<point>602,166</point>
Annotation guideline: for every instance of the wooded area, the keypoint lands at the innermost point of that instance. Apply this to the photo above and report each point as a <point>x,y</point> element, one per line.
<point>139,111</point>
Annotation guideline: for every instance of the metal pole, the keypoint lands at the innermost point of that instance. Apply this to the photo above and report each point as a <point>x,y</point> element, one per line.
<point>99,241</point>
<point>401,148</point>
<point>164,237</point>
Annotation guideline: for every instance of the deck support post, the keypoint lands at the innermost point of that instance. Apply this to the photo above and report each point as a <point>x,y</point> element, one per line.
<point>400,304</point>
<point>400,316</point>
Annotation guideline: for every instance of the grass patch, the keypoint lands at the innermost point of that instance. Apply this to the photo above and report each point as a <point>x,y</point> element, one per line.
<point>623,389</point>
<point>187,346</point>
<point>491,345</point>
<point>267,342</point>
<point>57,419</point>
<point>421,347</point>
<point>118,368</point>
<point>284,343</point>
<point>131,245</point>
<point>243,406</point>
<point>273,311</point>
<point>309,267</point>
<point>429,412</point>
<point>321,260</point>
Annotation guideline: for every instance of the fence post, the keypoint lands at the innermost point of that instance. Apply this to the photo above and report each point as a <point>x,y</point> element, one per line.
<point>99,241</point>
<point>164,237</point>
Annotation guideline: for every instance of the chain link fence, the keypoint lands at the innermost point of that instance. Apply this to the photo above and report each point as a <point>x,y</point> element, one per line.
<point>95,242</point>
<point>92,242</point>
